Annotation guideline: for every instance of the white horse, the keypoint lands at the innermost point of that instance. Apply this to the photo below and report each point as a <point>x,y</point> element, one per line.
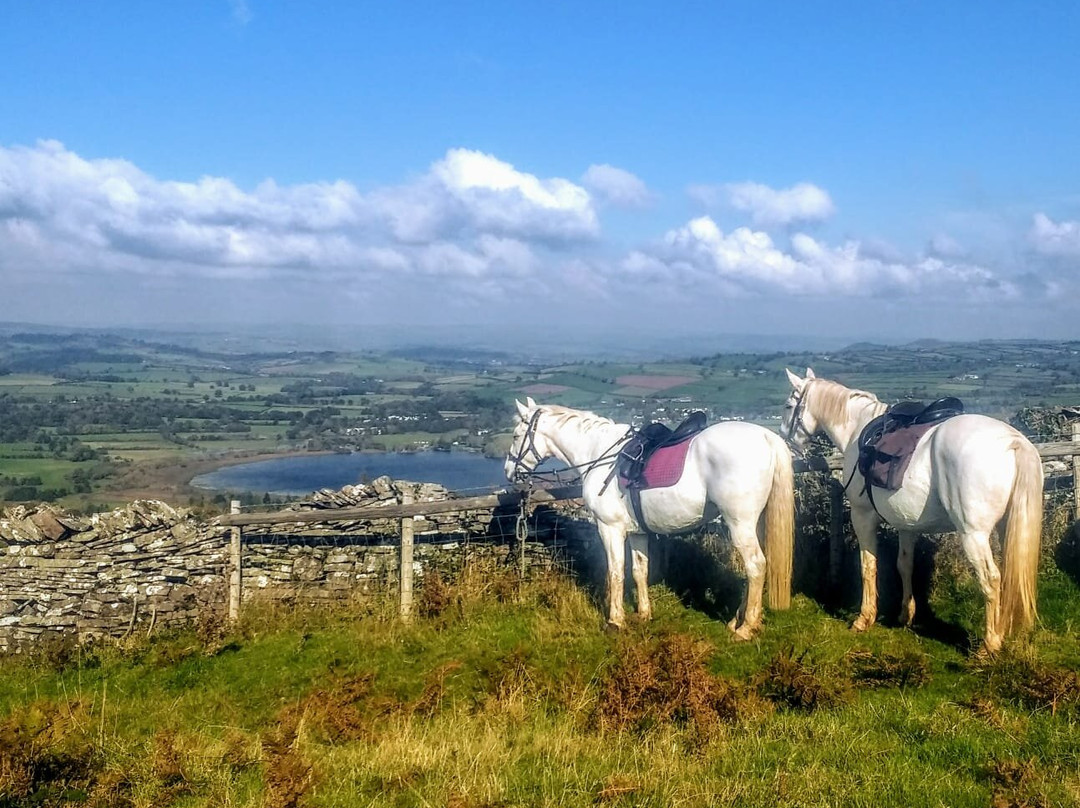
<point>739,471</point>
<point>968,474</point>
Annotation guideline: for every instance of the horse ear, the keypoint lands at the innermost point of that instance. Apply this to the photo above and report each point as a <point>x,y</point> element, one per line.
<point>530,402</point>
<point>523,411</point>
<point>810,374</point>
<point>796,382</point>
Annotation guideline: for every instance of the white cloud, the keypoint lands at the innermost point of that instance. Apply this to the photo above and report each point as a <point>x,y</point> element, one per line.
<point>470,228</point>
<point>749,262</point>
<point>617,186</point>
<point>945,246</point>
<point>470,216</point>
<point>1055,238</point>
<point>803,202</point>
<point>497,197</point>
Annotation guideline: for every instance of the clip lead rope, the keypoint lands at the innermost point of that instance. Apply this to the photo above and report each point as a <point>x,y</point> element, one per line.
<point>521,531</point>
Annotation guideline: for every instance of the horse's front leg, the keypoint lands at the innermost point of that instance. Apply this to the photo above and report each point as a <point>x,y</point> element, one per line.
<point>614,541</point>
<point>745,538</point>
<point>905,564</point>
<point>865,522</point>
<point>639,557</point>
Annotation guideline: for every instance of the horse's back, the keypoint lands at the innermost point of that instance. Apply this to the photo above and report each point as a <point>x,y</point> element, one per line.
<point>737,458</point>
<point>974,441</point>
<point>738,443</point>
<point>729,464</point>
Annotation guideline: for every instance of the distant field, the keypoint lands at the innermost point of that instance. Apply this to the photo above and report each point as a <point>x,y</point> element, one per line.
<point>544,389</point>
<point>287,403</point>
<point>653,382</point>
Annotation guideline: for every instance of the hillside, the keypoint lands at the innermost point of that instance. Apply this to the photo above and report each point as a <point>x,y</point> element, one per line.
<point>503,695</point>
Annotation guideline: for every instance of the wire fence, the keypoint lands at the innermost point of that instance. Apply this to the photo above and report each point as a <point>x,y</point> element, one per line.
<point>503,518</point>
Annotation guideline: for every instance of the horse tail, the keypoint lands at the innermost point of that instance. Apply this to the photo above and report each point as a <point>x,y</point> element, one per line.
<point>780,528</point>
<point>1022,539</point>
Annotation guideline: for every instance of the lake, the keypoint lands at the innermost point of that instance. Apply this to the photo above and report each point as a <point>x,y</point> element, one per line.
<point>302,474</point>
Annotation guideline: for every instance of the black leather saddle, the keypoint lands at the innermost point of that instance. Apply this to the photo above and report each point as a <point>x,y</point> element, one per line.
<point>884,452</point>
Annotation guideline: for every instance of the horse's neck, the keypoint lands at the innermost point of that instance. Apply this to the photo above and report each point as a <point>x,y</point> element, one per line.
<point>577,445</point>
<point>860,411</point>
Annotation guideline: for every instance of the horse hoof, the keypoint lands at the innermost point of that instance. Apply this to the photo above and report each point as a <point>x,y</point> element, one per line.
<point>612,628</point>
<point>861,624</point>
<point>906,616</point>
<point>733,624</point>
<point>743,633</point>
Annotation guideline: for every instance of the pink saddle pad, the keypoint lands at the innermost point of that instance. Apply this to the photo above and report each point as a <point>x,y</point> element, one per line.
<point>665,466</point>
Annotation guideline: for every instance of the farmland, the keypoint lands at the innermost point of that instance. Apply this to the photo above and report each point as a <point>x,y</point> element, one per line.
<point>89,418</point>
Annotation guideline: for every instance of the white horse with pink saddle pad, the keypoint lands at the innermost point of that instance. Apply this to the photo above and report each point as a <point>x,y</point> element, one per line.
<point>734,470</point>
<point>969,473</point>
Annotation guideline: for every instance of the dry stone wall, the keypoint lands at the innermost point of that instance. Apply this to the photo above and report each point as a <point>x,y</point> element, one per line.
<point>149,565</point>
<point>104,574</point>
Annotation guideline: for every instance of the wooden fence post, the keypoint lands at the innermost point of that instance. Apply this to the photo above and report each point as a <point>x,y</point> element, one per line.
<point>236,571</point>
<point>1076,472</point>
<point>405,563</point>
<point>522,531</point>
<point>836,530</point>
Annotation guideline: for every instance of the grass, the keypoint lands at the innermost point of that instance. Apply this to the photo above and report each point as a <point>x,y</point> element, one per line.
<point>503,694</point>
<point>53,473</point>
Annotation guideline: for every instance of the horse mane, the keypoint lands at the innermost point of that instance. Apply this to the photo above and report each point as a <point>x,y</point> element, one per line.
<point>831,400</point>
<point>566,415</point>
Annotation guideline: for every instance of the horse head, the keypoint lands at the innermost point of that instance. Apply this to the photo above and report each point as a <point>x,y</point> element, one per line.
<point>799,424</point>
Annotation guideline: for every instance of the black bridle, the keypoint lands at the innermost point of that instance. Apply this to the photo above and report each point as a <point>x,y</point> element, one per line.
<point>521,471</point>
<point>796,426</point>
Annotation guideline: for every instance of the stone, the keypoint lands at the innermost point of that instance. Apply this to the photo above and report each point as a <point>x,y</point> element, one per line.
<point>307,569</point>
<point>51,528</point>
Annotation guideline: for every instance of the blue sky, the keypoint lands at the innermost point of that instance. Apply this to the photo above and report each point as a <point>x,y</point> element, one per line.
<point>844,169</point>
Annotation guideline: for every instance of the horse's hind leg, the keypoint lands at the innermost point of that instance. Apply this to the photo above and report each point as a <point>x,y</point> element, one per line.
<point>865,522</point>
<point>745,538</point>
<point>905,564</point>
<point>976,544</point>
<point>639,559</point>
